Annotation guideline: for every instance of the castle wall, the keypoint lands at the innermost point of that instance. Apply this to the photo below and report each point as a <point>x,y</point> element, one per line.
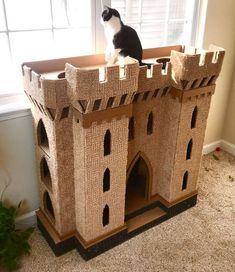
<point>185,134</point>
<point>90,165</point>
<point>158,147</point>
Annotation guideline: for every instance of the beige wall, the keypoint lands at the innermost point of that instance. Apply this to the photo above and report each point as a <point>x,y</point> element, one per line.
<point>219,30</point>
<point>229,124</point>
<point>17,157</point>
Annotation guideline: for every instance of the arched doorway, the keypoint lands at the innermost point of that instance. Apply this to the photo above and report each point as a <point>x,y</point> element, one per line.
<point>138,184</point>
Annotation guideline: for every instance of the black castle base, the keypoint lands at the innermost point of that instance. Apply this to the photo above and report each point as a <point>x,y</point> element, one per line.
<point>118,238</point>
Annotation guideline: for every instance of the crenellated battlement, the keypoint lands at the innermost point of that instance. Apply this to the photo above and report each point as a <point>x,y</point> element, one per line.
<point>97,89</point>
<point>193,68</point>
<point>88,85</point>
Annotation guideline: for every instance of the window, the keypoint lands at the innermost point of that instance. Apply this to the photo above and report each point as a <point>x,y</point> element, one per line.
<point>131,129</point>
<point>185,181</point>
<point>106,215</point>
<point>48,206</point>
<point>150,124</point>
<point>41,29</point>
<point>159,22</point>
<point>107,143</point>
<point>106,180</point>
<point>189,150</point>
<point>42,136</point>
<point>45,173</point>
<point>194,118</point>
<point>46,29</point>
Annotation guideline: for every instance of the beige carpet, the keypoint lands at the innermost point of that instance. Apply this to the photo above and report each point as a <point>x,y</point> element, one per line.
<point>200,239</point>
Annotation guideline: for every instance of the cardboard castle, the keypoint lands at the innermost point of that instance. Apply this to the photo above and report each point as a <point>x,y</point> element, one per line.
<point>118,148</point>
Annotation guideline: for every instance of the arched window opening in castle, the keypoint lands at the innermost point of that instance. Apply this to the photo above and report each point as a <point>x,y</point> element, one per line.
<point>106,215</point>
<point>150,124</point>
<point>48,205</point>
<point>185,181</point>
<point>189,150</point>
<point>131,129</point>
<point>107,143</point>
<point>45,173</point>
<point>42,135</point>
<point>194,118</point>
<point>106,180</point>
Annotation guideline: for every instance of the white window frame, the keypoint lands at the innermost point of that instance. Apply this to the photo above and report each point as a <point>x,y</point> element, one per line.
<point>14,102</point>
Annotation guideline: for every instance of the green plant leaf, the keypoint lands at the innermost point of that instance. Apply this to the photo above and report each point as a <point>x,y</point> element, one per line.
<point>13,242</point>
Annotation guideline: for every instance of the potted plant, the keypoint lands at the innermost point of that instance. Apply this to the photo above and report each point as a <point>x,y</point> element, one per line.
<point>13,241</point>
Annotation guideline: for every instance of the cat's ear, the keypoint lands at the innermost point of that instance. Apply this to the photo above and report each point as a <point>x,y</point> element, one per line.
<point>106,8</point>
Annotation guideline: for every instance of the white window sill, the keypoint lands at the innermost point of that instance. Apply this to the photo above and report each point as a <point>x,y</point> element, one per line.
<point>14,106</point>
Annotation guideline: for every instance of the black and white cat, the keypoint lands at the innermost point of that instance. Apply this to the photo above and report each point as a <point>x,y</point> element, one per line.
<point>122,39</point>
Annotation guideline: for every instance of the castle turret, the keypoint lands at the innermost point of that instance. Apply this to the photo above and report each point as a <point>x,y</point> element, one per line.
<point>100,126</point>
<point>54,149</point>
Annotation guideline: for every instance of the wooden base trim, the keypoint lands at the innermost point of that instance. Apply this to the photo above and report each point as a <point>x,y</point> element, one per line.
<point>60,247</point>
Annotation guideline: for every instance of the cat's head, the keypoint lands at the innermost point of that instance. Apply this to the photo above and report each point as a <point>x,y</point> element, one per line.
<point>109,13</point>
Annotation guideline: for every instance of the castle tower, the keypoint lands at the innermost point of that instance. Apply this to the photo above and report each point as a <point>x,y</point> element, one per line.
<point>118,148</point>
<point>100,127</point>
<point>194,75</point>
<point>52,119</point>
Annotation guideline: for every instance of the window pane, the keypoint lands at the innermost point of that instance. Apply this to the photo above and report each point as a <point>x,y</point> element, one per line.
<point>5,67</point>
<point>31,45</point>
<point>152,35</point>
<point>73,42</point>
<point>28,14</point>
<point>2,21</point>
<point>177,9</point>
<point>176,33</point>
<point>76,13</point>
<point>154,10</point>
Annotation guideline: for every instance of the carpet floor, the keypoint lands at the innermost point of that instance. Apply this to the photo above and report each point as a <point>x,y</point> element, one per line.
<point>199,239</point>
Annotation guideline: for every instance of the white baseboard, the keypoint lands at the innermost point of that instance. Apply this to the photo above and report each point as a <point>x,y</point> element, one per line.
<point>27,220</point>
<point>211,147</point>
<point>226,146</point>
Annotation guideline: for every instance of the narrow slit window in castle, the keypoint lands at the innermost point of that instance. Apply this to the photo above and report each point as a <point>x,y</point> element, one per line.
<point>185,181</point>
<point>194,117</point>
<point>96,104</point>
<point>150,124</point>
<point>135,99</point>
<point>83,104</point>
<point>110,102</point>
<point>212,80</point>
<point>65,113</point>
<point>123,99</point>
<point>107,143</point>
<point>165,91</point>
<point>131,129</point>
<point>155,93</point>
<point>45,173</point>
<point>42,135</point>
<point>51,112</point>
<point>189,150</point>
<point>145,96</point>
<point>48,205</point>
<point>106,180</point>
<point>106,215</point>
